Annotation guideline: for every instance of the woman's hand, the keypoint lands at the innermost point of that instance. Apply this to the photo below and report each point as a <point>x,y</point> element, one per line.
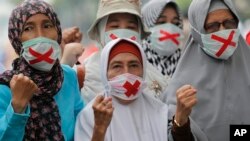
<point>71,53</point>
<point>103,111</point>
<point>71,35</point>
<point>22,89</point>
<point>186,100</point>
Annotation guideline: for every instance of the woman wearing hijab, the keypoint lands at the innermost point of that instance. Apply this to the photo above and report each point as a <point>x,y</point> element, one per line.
<point>163,45</point>
<point>117,19</point>
<point>39,98</point>
<point>124,112</point>
<point>216,63</point>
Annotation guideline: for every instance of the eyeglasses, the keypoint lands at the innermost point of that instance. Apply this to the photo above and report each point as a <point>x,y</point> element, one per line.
<point>215,26</point>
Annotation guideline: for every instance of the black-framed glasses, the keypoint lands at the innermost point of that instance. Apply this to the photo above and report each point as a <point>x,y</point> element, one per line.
<point>215,26</point>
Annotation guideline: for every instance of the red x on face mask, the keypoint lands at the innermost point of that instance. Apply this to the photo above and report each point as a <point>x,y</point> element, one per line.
<point>121,33</point>
<point>226,42</point>
<point>132,89</point>
<point>113,37</point>
<point>41,53</point>
<point>126,86</point>
<point>41,57</point>
<point>168,36</point>
<point>221,44</point>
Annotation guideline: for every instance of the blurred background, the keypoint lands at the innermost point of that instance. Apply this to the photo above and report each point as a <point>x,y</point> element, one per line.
<point>82,13</point>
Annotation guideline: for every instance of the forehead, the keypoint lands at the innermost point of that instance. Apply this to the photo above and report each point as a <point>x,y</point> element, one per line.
<point>38,17</point>
<point>124,57</point>
<point>170,9</point>
<point>169,12</point>
<point>219,15</point>
<point>122,17</point>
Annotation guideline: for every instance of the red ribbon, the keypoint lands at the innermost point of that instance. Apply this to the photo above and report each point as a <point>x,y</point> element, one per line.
<point>226,42</point>
<point>41,57</point>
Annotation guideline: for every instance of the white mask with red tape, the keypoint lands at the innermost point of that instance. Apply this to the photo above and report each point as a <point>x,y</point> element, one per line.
<point>126,86</point>
<point>121,33</point>
<point>41,53</point>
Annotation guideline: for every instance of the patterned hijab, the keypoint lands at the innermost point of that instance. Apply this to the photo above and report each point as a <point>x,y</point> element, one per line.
<point>44,122</point>
<point>150,13</point>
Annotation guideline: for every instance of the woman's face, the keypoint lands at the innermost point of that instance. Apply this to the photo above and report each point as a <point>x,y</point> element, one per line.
<point>122,21</point>
<point>38,25</point>
<point>220,20</point>
<point>124,63</point>
<point>169,15</point>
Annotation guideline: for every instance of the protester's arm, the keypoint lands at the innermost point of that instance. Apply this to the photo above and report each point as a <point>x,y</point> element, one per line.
<point>79,102</point>
<point>71,35</point>
<point>71,53</point>
<point>186,100</point>
<point>12,127</point>
<point>181,133</point>
<point>72,49</point>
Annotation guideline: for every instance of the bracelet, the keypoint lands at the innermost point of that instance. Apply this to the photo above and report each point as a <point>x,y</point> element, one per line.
<point>177,123</point>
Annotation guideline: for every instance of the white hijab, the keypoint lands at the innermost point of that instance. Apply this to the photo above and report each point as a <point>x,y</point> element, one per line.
<point>223,86</point>
<point>145,119</point>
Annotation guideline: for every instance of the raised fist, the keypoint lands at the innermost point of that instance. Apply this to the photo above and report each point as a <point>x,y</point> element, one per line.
<point>22,89</point>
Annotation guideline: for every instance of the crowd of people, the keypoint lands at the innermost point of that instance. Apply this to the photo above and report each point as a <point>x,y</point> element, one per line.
<point>142,84</point>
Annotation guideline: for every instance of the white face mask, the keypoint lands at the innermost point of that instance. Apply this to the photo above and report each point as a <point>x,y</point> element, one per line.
<point>121,33</point>
<point>221,44</point>
<point>165,39</point>
<point>41,53</point>
<point>126,86</point>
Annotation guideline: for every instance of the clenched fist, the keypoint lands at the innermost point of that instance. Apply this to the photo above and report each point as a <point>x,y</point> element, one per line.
<point>22,89</point>
<point>186,99</point>
<point>71,53</point>
<point>71,35</point>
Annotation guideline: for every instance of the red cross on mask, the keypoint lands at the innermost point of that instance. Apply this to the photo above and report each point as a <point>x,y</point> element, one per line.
<point>113,37</point>
<point>168,36</point>
<point>41,57</point>
<point>226,42</point>
<point>132,89</point>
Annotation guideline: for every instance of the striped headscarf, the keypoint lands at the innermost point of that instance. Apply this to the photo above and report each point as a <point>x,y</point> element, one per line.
<point>44,122</point>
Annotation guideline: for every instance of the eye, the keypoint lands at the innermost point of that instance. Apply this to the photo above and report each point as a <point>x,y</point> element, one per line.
<point>113,25</point>
<point>176,22</point>
<point>160,22</point>
<point>134,65</point>
<point>116,66</point>
<point>28,28</point>
<point>212,27</point>
<point>230,24</point>
<point>48,25</point>
<point>132,27</point>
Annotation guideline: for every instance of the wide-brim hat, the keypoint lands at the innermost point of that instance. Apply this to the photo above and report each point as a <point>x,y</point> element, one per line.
<point>107,7</point>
